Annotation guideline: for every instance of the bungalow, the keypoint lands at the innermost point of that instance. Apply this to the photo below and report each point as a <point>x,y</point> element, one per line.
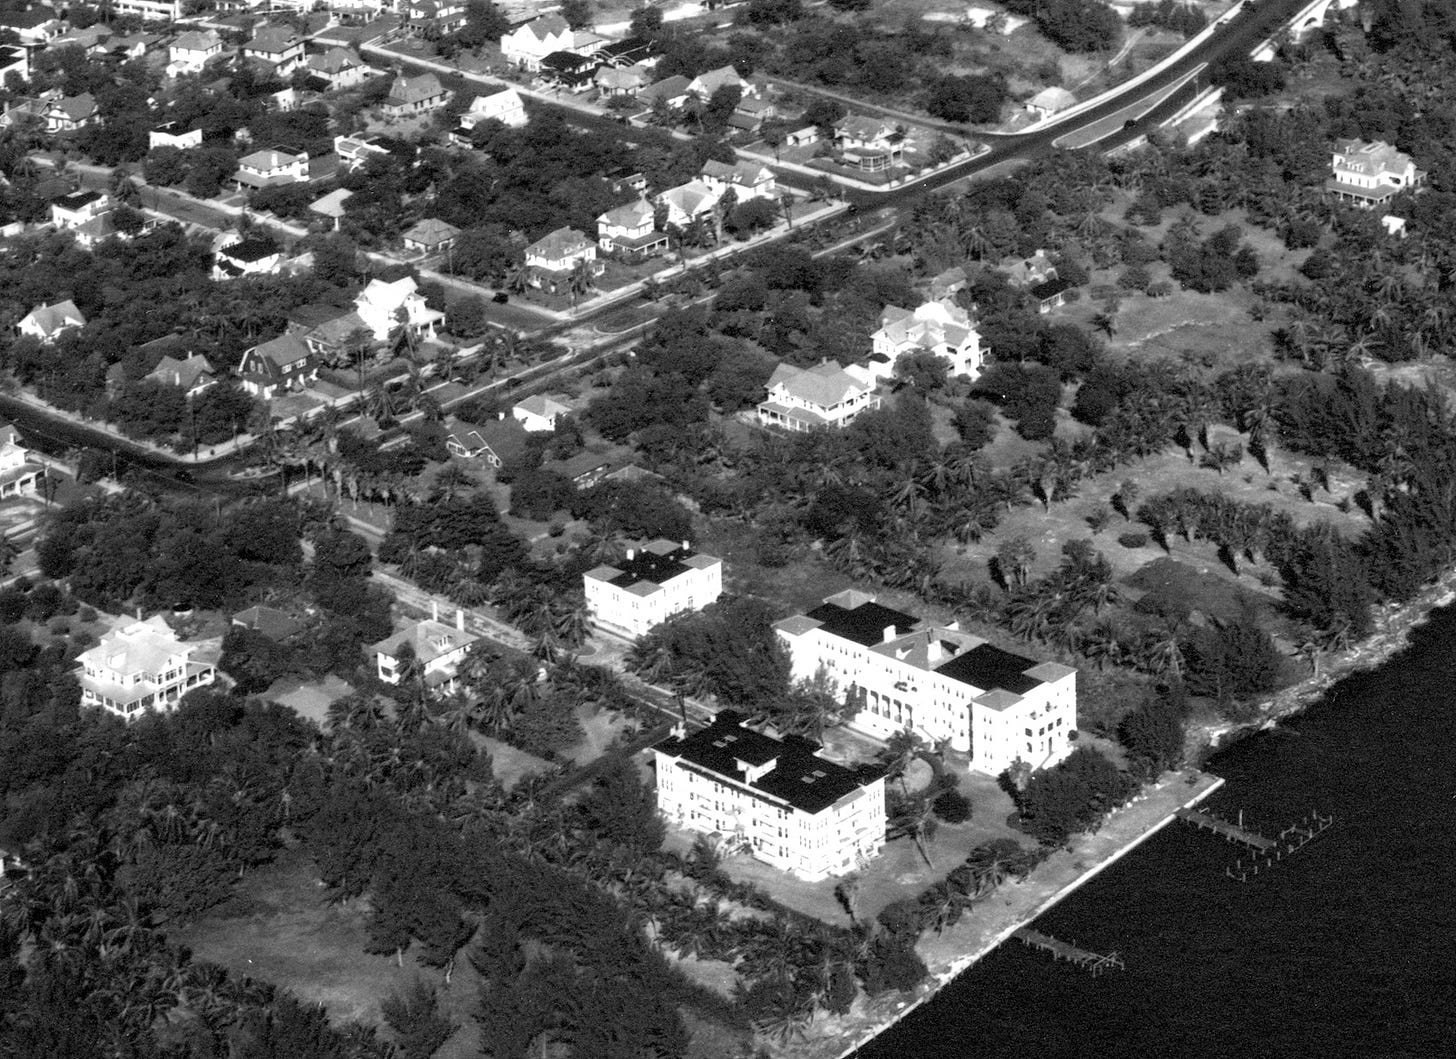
<point>246,256</point>
<point>92,41</point>
<point>804,137</point>
<point>705,84</point>
<point>191,51</point>
<point>612,81</point>
<point>174,134</point>
<point>948,284</point>
<point>268,621</point>
<point>280,364</point>
<point>494,443</point>
<point>192,376</point>
<point>415,95</point>
<point>504,106</point>
<point>18,476</point>
<point>587,468</point>
<point>1050,293</point>
<point>46,322</point>
<point>338,68</point>
<point>747,180</point>
<point>871,145</point>
<point>332,205</point>
<point>271,168</point>
<point>71,113</point>
<point>527,44</point>
<point>131,45</point>
<point>379,305</point>
<point>1370,174</point>
<point>939,328</point>
<point>1050,101</point>
<point>430,236</point>
<point>568,70</point>
<point>634,51</point>
<point>624,179</point>
<point>824,396</point>
<point>1028,271</point>
<point>630,231</point>
<point>337,338</point>
<point>672,91</point>
<point>539,412</point>
<point>559,252</point>
<point>751,113</point>
<point>278,49</point>
<point>688,202</point>
<point>72,211</point>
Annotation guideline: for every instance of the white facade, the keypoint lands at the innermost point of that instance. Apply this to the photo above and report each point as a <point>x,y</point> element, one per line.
<point>189,53</point>
<point>653,583</point>
<point>539,412</point>
<point>379,303</point>
<point>939,327</point>
<point>1370,173</point>
<point>438,649</point>
<point>528,44</point>
<point>140,667</point>
<point>150,10</point>
<point>796,811</point>
<point>172,135</point>
<point>504,106</point>
<point>18,476</point>
<point>936,681</point>
<point>824,396</point>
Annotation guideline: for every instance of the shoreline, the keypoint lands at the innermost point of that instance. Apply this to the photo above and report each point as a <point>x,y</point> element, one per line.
<point>986,926</point>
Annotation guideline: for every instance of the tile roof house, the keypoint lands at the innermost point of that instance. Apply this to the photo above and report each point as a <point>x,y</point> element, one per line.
<point>18,475</point>
<point>824,396</point>
<point>777,799</point>
<point>271,168</point>
<point>504,106</point>
<point>430,236</point>
<point>559,251</point>
<point>747,179</point>
<point>1370,174</point>
<point>338,68</point>
<point>630,232</point>
<point>138,668</point>
<point>191,51</point>
<point>871,145</point>
<point>937,681</point>
<point>688,202</point>
<point>539,412</point>
<point>437,648</point>
<point>192,376</point>
<point>527,44</point>
<point>278,365</point>
<point>71,113</point>
<point>415,95</point>
<point>45,322</point>
<point>654,582</point>
<point>379,303</point>
<point>941,328</point>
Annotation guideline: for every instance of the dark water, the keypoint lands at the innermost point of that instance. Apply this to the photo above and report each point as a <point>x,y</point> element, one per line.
<point>1347,949</point>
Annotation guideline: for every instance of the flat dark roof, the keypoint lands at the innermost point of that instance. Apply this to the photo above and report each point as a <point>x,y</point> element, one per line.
<point>1051,288</point>
<point>649,566</point>
<point>799,776</point>
<point>988,667</point>
<point>79,199</point>
<point>865,624</point>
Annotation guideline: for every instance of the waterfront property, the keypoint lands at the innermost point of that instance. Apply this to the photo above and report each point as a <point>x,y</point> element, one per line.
<point>775,798</point>
<point>937,682</point>
<point>139,667</point>
<point>655,582</point>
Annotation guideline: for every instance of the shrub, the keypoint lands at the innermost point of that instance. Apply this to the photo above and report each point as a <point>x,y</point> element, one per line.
<point>1132,540</point>
<point>952,806</point>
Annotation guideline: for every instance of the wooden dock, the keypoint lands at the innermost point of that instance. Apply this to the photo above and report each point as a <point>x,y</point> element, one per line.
<point>1291,840</point>
<point>1231,831</point>
<point>1090,961</point>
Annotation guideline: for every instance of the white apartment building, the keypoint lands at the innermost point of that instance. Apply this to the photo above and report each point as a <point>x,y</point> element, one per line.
<point>139,667</point>
<point>936,681</point>
<point>655,582</point>
<point>791,808</point>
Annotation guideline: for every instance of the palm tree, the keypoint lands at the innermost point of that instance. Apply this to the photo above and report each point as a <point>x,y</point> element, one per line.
<point>916,820</point>
<point>580,282</point>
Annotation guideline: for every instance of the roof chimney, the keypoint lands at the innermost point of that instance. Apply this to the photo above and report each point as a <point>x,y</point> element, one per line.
<point>933,651</point>
<point>685,546</point>
<point>889,633</point>
<point>434,610</point>
<point>631,554</point>
<point>460,618</point>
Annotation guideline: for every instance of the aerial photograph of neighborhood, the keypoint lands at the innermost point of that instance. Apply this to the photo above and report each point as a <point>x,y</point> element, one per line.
<point>727,529</point>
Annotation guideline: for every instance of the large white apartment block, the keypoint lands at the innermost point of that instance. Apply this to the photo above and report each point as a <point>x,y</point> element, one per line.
<point>793,809</point>
<point>937,682</point>
<point>140,667</point>
<point>655,582</point>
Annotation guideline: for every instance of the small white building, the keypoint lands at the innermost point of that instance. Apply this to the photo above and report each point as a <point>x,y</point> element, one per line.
<point>174,134</point>
<point>539,412</point>
<point>191,51</point>
<point>776,798</point>
<point>1050,101</point>
<point>824,396</point>
<point>438,650</point>
<point>686,203</point>
<point>504,106</point>
<point>1370,174</point>
<point>18,476</point>
<point>139,667</point>
<point>652,584</point>
<point>941,328</point>
<point>338,68</point>
<point>45,322</point>
<point>250,256</point>
<point>705,84</point>
<point>937,682</point>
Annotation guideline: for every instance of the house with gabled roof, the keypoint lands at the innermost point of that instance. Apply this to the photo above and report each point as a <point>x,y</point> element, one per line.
<point>686,203</point>
<point>825,396</point>
<point>271,622</point>
<point>672,91</point>
<point>34,26</point>
<point>277,366</point>
<point>1050,101</point>
<point>192,376</point>
<point>45,322</point>
<point>494,442</point>
<point>632,596</point>
<point>275,48</point>
<point>430,236</point>
<point>558,252</point>
<point>433,18</point>
<point>504,106</point>
<point>629,231</point>
<point>936,681</point>
<point>1370,174</point>
<point>338,68</point>
<point>176,135</point>
<point>71,113</point>
<point>539,412</point>
<point>415,95</point>
<point>380,303</point>
<point>530,42</point>
<point>191,51</point>
<point>705,84</point>
<point>437,648</point>
<point>940,328</point>
<point>140,667</point>
<point>19,476</point>
<point>621,80</point>
<point>748,180</point>
<point>871,145</point>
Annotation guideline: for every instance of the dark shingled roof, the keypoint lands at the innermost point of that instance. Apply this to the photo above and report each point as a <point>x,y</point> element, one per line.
<point>647,565</point>
<point>865,624</point>
<point>988,667</point>
<point>799,777</point>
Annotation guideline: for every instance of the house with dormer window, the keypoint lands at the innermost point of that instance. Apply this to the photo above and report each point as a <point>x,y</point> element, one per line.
<point>630,231</point>
<point>871,145</point>
<point>1370,174</point>
<point>277,366</point>
<point>940,328</point>
<point>825,396</point>
<point>434,648</point>
<point>140,667</point>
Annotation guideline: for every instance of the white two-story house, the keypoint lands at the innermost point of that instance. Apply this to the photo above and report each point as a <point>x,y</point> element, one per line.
<point>438,650</point>
<point>824,396</point>
<point>271,168</point>
<point>1370,174</point>
<point>191,51</point>
<point>652,584</point>
<point>940,327</point>
<point>139,667</point>
<point>745,179</point>
<point>529,43</point>
<point>630,231</point>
